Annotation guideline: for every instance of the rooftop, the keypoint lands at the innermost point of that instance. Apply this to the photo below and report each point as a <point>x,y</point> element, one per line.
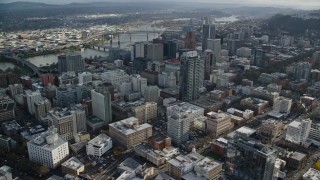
<point>312,174</point>
<point>100,140</point>
<point>129,165</point>
<point>298,156</point>
<point>129,125</point>
<point>73,163</point>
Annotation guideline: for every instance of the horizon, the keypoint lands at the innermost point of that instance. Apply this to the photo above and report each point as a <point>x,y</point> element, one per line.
<point>295,4</point>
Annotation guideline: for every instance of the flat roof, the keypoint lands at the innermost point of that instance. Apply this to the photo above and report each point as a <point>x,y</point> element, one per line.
<point>129,125</point>
<point>246,130</point>
<point>73,163</point>
<point>100,140</point>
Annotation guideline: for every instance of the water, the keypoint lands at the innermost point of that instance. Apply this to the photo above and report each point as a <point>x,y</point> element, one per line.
<point>49,59</point>
<point>5,66</point>
<point>125,40</point>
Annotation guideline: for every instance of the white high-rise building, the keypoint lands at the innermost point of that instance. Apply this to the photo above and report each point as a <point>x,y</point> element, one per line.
<point>179,117</point>
<point>139,83</point>
<point>99,145</point>
<point>282,105</point>
<point>32,97</point>
<point>101,105</point>
<point>48,149</point>
<point>298,131</point>
<point>215,46</point>
<point>85,77</point>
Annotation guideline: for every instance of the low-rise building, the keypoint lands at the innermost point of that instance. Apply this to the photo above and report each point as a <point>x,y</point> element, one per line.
<point>296,160</point>
<point>218,123</point>
<point>99,145</point>
<point>72,166</point>
<point>129,132</point>
<point>255,104</point>
<point>311,174</point>
<point>271,128</point>
<point>298,131</point>
<point>5,173</point>
<point>205,169</point>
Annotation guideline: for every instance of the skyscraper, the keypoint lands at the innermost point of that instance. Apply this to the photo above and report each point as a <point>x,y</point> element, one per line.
<point>179,117</point>
<point>191,75</point>
<point>70,63</point>
<point>215,46</point>
<point>209,63</point>
<point>170,49</point>
<point>208,32</point>
<point>32,98</point>
<point>101,104</point>
<point>246,159</point>
<point>190,41</point>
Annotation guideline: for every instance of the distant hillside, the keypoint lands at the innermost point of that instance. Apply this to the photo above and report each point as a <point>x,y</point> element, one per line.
<point>258,12</point>
<point>291,24</point>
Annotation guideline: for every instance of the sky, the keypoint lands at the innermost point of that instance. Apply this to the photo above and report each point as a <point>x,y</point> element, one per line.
<point>313,4</point>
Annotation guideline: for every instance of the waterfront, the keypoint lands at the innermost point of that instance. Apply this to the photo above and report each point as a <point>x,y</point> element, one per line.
<point>49,59</point>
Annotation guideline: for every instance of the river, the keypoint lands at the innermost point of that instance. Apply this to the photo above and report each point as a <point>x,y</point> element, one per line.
<point>49,59</point>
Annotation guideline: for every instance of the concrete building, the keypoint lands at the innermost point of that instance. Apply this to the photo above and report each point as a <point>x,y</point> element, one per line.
<point>66,96</point>
<point>218,123</point>
<point>298,131</point>
<point>146,112</point>
<point>151,94</point>
<point>32,98</point>
<point>69,122</point>
<point>128,132</point>
<point>247,159</point>
<point>85,77</point>
<point>5,173</point>
<point>271,128</point>
<point>115,77</point>
<point>99,145</point>
<point>261,92</point>
<point>101,105</point>
<point>179,117</point>
<point>205,169</point>
<point>139,83</point>
<point>297,160</point>
<point>42,108</point>
<point>72,166</point>
<point>7,106</point>
<point>209,63</point>
<point>167,80</point>
<point>273,87</point>
<point>215,46</point>
<point>70,63</point>
<point>191,76</point>
<point>15,89</point>
<point>243,52</point>
<point>208,32</point>
<point>255,104</point>
<point>160,141</point>
<point>154,52</point>
<point>47,79</point>
<point>282,105</point>
<point>48,149</point>
<point>300,70</point>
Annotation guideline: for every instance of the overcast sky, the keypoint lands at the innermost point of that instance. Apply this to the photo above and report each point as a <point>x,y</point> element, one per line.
<point>295,3</point>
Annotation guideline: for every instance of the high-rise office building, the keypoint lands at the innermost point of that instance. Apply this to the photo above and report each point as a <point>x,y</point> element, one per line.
<point>69,121</point>
<point>179,117</point>
<point>146,112</point>
<point>139,83</point>
<point>154,52</point>
<point>190,41</point>
<point>170,49</point>
<point>208,32</point>
<point>42,108</point>
<point>101,104</point>
<point>32,97</point>
<point>215,46</point>
<point>151,94</point>
<point>298,131</point>
<point>209,63</point>
<point>259,58</point>
<point>191,76</point>
<point>70,63</point>
<point>247,159</point>
<point>66,96</point>
<point>48,149</point>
